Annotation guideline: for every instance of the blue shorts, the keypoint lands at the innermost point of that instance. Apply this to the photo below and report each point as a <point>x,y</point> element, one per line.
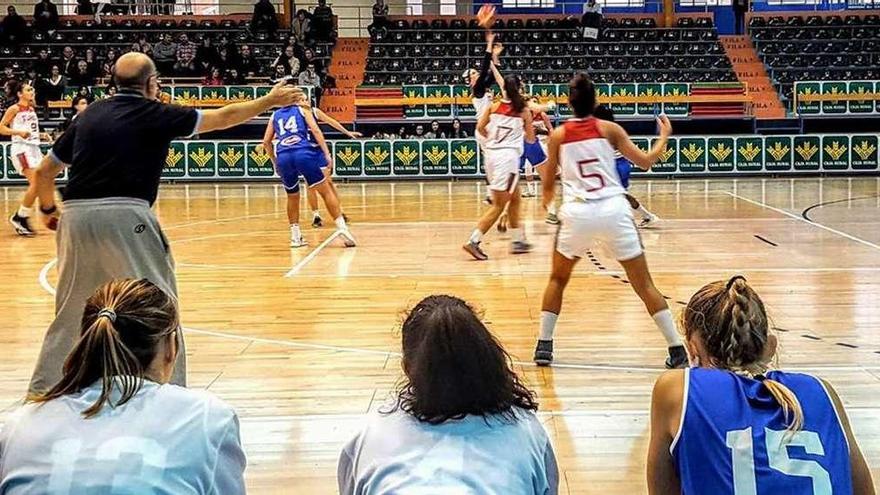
<point>624,167</point>
<point>533,153</point>
<point>307,162</point>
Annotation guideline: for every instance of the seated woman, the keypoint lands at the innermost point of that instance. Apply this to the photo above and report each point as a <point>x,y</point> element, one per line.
<point>462,422</point>
<point>113,424</point>
<point>729,426</point>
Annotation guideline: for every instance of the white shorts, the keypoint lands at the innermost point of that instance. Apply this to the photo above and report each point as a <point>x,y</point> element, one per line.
<point>502,168</point>
<point>25,156</point>
<point>608,220</point>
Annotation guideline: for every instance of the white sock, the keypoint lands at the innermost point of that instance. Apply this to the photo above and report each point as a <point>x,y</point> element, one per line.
<point>340,223</point>
<point>548,325</point>
<point>295,233</point>
<point>476,236</point>
<point>663,320</point>
<point>25,212</point>
<point>316,214</point>
<point>552,210</point>
<point>518,234</point>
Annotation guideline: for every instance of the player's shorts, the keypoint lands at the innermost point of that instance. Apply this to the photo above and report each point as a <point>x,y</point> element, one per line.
<point>608,220</point>
<point>624,167</point>
<point>533,153</point>
<point>25,157</point>
<point>307,162</point>
<point>502,168</point>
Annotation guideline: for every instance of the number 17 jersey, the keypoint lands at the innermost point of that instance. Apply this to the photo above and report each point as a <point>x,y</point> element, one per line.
<point>733,438</point>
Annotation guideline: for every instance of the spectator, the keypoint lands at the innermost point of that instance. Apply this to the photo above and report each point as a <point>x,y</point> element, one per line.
<point>420,132</point>
<point>309,77</point>
<point>591,21</point>
<point>309,58</point>
<point>301,27</point>
<point>13,28</point>
<point>135,47</point>
<point>92,63</point>
<point>402,134</point>
<point>8,75</point>
<point>145,45</point>
<point>435,132</point>
<point>380,16</point>
<point>215,78</point>
<point>234,78</point>
<point>740,7</point>
<point>164,53</point>
<point>185,56</point>
<point>289,61</point>
<point>264,18</point>
<point>108,63</point>
<point>247,64</point>
<point>54,85</point>
<point>280,73</point>
<point>733,401</point>
<point>460,400</point>
<point>84,7</point>
<point>224,61</point>
<point>45,16</point>
<point>322,21</point>
<point>115,405</point>
<point>42,64</point>
<point>79,105</point>
<point>206,56</point>
<point>457,131</point>
<point>67,64</point>
<point>81,75</point>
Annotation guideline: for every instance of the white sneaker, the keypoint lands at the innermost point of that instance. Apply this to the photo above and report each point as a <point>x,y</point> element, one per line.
<point>347,238</point>
<point>298,243</point>
<point>649,221</point>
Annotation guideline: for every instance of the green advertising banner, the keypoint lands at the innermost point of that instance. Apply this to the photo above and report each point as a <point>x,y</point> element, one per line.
<point>261,91</point>
<point>414,111</point>
<point>435,157</point>
<point>834,88</point>
<point>543,90</point>
<point>406,154</point>
<point>692,154</point>
<point>438,92</point>
<point>621,90</point>
<point>676,109</point>
<point>201,159</point>
<point>649,90</point>
<point>666,163</point>
<point>219,94</point>
<point>722,154</point>
<point>377,158</point>
<point>241,93</point>
<point>806,153</point>
<point>231,162</point>
<point>807,89</point>
<point>465,157</point>
<point>185,93</point>
<point>257,161</point>
<point>4,160</point>
<point>466,109</point>
<point>563,109</point>
<point>860,88</point>
<point>749,151</point>
<point>835,154</point>
<point>644,145</point>
<point>348,158</point>
<point>864,152</point>
<point>175,161</point>
<point>777,153</point>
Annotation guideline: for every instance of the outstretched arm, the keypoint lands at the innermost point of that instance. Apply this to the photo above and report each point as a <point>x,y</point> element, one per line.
<point>238,113</point>
<point>323,117</point>
<point>319,136</point>
<point>619,139</point>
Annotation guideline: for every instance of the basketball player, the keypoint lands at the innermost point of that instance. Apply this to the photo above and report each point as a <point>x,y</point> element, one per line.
<point>503,127</point>
<point>311,195</point>
<point>623,169</point>
<point>20,121</point>
<point>535,154</point>
<point>593,208</point>
<point>728,425</point>
<point>302,150</point>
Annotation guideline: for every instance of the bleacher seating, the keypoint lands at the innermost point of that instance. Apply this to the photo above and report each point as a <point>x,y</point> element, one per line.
<point>817,48</point>
<point>549,51</point>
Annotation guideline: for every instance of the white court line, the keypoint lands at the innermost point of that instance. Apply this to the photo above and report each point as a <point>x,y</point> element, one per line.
<point>305,261</point>
<point>808,222</point>
<point>44,276</point>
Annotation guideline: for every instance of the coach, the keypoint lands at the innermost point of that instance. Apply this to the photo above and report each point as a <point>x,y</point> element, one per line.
<point>115,152</point>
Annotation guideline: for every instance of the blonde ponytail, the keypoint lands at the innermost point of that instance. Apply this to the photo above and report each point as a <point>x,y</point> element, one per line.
<point>790,404</point>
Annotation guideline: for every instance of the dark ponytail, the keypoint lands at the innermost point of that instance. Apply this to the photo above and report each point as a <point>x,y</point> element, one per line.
<point>512,84</point>
<point>582,95</point>
<point>123,323</point>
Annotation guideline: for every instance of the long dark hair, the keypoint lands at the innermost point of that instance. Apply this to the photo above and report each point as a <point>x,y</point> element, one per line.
<point>582,95</point>
<point>454,366</point>
<point>122,325</point>
<point>512,84</point>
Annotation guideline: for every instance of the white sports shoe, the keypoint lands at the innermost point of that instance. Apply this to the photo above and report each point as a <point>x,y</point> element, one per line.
<point>649,221</point>
<point>347,238</point>
<point>298,243</point>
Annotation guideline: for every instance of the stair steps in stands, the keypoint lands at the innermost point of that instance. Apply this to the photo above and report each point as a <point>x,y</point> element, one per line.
<point>378,113</point>
<point>347,65</point>
<point>751,71</point>
<point>716,109</point>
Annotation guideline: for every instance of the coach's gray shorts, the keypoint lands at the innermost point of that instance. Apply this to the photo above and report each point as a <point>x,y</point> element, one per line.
<point>100,240</point>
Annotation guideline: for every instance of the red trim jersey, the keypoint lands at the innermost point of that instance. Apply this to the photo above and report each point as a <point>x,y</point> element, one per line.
<point>587,162</point>
<point>26,120</point>
<point>505,129</point>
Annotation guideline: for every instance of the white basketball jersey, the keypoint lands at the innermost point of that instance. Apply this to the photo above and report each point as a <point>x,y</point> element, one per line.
<point>165,440</point>
<point>26,120</point>
<point>589,169</point>
<point>506,129</point>
<point>481,104</point>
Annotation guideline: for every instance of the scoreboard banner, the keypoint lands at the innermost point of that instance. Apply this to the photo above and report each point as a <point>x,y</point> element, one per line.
<point>203,160</point>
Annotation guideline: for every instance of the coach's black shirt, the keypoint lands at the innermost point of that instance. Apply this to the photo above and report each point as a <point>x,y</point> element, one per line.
<point>118,146</point>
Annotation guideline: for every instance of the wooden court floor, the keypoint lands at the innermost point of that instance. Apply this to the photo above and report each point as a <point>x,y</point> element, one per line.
<point>302,342</point>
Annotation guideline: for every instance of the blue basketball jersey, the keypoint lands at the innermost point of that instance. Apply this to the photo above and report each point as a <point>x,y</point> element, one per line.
<point>291,129</point>
<point>733,438</point>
